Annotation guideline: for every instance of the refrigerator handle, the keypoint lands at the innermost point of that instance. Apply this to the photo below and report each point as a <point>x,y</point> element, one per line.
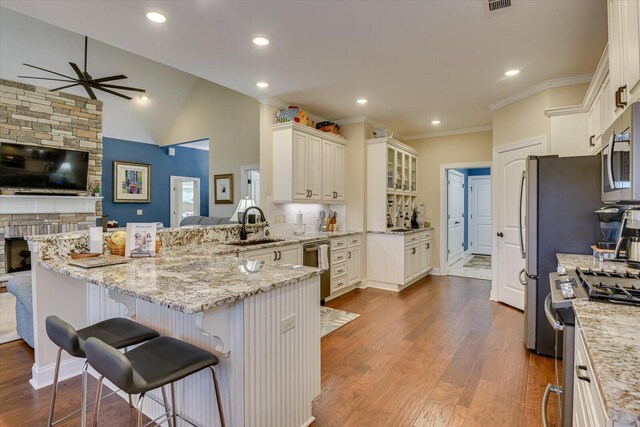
<point>520,231</point>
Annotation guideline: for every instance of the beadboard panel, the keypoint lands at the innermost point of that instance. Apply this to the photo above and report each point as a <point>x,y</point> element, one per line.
<point>269,379</point>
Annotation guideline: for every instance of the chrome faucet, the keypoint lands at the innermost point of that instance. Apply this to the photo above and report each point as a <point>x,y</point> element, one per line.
<point>243,230</point>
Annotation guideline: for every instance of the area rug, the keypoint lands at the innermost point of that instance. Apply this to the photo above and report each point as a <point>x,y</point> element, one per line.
<point>479,261</point>
<point>8,318</point>
<point>332,319</point>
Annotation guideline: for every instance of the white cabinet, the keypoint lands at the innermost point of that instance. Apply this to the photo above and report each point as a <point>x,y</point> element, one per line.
<point>395,261</point>
<point>308,165</point>
<point>569,135</point>
<point>345,263</point>
<point>287,254</point>
<point>624,52</point>
<point>353,261</point>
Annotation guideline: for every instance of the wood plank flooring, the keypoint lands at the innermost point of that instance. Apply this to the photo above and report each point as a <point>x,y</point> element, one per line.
<point>439,353</point>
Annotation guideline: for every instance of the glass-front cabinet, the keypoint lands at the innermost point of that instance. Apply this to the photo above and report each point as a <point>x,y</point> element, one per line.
<point>405,172</point>
<point>391,158</point>
<point>414,174</point>
<point>398,185</point>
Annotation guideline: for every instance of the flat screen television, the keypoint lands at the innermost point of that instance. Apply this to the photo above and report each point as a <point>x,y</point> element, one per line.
<point>30,166</point>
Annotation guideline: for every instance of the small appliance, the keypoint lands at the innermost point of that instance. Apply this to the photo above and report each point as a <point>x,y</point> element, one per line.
<point>629,240</point>
<point>610,218</point>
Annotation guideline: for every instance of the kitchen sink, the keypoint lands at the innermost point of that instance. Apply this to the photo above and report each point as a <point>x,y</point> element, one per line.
<point>253,242</point>
<point>401,230</point>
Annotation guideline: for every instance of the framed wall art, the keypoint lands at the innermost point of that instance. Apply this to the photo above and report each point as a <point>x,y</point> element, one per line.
<point>223,185</point>
<point>131,182</point>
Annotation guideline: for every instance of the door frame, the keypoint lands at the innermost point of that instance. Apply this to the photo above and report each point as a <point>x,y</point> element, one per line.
<point>173,180</point>
<point>444,243</point>
<point>544,140</point>
<point>476,178</point>
<point>464,214</point>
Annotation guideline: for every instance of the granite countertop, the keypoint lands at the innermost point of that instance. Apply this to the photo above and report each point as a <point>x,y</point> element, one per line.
<point>403,233</point>
<point>189,279</point>
<point>585,262</point>
<point>611,334</point>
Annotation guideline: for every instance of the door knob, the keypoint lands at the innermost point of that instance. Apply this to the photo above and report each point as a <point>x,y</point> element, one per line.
<point>500,234</point>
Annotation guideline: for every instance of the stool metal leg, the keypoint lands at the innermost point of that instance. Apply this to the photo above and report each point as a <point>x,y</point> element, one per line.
<point>96,409</point>
<point>83,408</point>
<point>139,414</point>
<point>173,404</point>
<point>55,387</point>
<point>167,410</point>
<point>218,399</point>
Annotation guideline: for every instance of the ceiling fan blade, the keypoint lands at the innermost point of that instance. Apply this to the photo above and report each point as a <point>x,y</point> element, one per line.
<point>109,79</point>
<point>48,71</point>
<point>63,87</point>
<point>135,89</point>
<point>111,92</point>
<point>77,70</point>
<point>90,91</point>
<point>46,78</point>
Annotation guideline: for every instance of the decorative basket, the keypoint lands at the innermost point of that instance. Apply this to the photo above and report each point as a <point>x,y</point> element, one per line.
<point>329,127</point>
<point>120,250</point>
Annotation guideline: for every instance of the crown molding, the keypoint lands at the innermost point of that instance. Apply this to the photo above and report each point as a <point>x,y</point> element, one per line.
<point>547,84</point>
<point>565,111</point>
<point>463,131</point>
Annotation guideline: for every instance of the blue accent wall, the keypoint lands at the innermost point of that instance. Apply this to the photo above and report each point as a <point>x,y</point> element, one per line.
<point>467,173</point>
<point>187,162</point>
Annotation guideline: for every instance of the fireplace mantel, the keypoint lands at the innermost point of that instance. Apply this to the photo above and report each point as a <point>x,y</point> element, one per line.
<point>41,204</point>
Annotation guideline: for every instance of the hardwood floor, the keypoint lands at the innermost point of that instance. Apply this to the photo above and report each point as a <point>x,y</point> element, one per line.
<point>438,353</point>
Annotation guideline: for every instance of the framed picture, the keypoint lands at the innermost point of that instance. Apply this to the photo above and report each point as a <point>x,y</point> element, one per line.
<point>131,182</point>
<point>224,189</point>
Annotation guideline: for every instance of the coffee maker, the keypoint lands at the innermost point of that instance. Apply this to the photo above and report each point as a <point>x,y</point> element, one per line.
<point>610,218</point>
<point>630,238</point>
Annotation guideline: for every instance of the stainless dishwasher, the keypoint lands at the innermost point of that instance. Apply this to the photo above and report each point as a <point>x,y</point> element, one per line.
<point>310,259</point>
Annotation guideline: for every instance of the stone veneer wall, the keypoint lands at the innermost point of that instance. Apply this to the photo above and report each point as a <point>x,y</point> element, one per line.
<point>33,115</point>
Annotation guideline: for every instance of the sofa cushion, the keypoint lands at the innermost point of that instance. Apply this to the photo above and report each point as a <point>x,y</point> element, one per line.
<point>211,220</point>
<point>191,220</point>
<point>20,287</point>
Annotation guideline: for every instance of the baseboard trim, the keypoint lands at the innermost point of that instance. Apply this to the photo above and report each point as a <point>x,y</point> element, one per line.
<point>394,287</point>
<point>436,272</point>
<point>43,376</point>
<point>342,292</point>
<point>309,421</point>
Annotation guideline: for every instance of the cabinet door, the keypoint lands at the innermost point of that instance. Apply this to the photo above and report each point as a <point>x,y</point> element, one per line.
<point>398,173</point>
<point>594,117</point>
<point>338,171</point>
<point>427,255</point>
<point>405,172</point>
<point>616,48</point>
<point>314,167</point>
<point>631,43</point>
<point>391,161</point>
<point>289,254</point>
<point>414,174</point>
<point>353,265</point>
<point>421,258</point>
<point>409,263</point>
<point>300,188</point>
<point>328,170</point>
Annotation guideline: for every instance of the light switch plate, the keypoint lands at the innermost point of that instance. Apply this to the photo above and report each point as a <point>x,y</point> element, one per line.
<point>288,323</point>
<point>139,212</point>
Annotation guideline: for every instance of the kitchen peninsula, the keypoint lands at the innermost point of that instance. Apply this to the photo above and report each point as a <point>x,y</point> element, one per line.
<point>260,318</point>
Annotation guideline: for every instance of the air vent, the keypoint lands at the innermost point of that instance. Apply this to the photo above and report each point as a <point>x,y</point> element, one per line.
<point>497,7</point>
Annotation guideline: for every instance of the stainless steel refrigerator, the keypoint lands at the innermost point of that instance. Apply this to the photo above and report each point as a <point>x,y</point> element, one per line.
<point>559,196</point>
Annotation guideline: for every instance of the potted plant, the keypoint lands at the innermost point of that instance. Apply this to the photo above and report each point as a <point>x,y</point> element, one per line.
<point>96,190</point>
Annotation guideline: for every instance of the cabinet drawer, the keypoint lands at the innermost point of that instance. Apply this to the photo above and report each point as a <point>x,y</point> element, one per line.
<point>338,256</point>
<point>338,282</point>
<point>353,240</point>
<point>413,238</point>
<point>338,243</point>
<point>338,270</point>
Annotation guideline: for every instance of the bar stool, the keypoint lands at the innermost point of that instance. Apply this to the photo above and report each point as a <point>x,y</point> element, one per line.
<point>151,365</point>
<point>118,332</point>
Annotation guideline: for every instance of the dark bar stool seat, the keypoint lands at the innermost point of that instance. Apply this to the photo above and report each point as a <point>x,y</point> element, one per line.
<point>152,365</point>
<point>117,332</point>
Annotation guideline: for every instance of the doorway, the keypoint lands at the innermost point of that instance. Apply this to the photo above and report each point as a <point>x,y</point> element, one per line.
<point>466,220</point>
<point>185,198</point>
<point>250,187</point>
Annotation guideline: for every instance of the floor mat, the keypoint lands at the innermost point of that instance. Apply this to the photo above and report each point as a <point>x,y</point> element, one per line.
<point>8,318</point>
<point>479,261</point>
<point>332,319</point>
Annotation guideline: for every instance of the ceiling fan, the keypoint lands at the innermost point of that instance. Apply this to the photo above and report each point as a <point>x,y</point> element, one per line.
<point>85,80</point>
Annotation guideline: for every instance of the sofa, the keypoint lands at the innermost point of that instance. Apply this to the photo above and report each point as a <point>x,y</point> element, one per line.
<point>20,287</point>
<point>205,220</point>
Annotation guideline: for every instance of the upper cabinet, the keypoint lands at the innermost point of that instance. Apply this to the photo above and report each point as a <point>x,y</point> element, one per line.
<point>401,169</point>
<point>308,165</point>
<point>624,53</point>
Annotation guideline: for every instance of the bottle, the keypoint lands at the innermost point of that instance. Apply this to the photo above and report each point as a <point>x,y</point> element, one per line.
<point>407,221</point>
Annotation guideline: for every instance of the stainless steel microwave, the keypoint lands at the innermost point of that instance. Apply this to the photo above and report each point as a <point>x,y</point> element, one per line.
<point>621,158</point>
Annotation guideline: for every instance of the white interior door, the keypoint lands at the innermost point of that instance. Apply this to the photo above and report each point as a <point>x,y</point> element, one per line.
<point>509,165</point>
<point>455,216</point>
<point>480,215</point>
<point>185,198</point>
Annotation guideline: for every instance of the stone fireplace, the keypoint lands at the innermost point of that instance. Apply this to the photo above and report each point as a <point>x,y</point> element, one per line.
<point>35,116</point>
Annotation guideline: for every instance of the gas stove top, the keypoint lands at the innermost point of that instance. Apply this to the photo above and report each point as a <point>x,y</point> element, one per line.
<point>611,286</point>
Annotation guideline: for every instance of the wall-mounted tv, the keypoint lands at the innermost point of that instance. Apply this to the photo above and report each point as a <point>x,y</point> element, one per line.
<point>30,166</point>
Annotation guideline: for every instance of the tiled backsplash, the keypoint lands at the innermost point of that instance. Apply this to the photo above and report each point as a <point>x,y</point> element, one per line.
<point>282,217</point>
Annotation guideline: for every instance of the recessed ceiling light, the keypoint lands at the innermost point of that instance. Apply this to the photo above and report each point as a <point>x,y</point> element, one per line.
<point>157,17</point>
<point>435,122</point>
<point>260,41</point>
<point>143,98</point>
<point>362,101</point>
<point>511,73</point>
<point>262,84</point>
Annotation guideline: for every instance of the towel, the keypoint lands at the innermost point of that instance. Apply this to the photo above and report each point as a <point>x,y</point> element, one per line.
<point>323,257</point>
